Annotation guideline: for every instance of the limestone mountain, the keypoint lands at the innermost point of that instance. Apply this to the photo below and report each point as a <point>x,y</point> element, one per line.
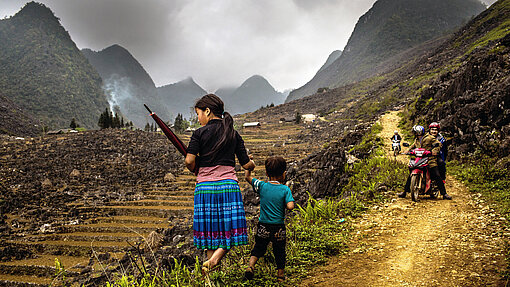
<point>253,93</point>
<point>180,97</point>
<point>331,58</point>
<point>127,85</point>
<point>44,73</point>
<point>389,28</point>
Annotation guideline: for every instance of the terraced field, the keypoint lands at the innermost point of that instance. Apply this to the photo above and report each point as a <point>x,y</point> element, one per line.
<point>112,225</point>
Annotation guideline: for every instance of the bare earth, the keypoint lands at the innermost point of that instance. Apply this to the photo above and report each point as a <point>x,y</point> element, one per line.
<point>430,243</point>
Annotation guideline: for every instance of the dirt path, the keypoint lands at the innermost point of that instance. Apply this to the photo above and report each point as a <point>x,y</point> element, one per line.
<point>429,243</point>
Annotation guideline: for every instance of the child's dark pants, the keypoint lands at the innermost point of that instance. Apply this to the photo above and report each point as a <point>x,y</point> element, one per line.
<point>274,233</point>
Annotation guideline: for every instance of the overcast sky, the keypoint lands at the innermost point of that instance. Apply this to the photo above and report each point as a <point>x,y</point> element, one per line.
<point>217,42</point>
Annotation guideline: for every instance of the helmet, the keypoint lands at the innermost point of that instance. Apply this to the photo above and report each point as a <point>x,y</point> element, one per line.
<point>435,125</point>
<point>418,130</point>
<point>395,132</point>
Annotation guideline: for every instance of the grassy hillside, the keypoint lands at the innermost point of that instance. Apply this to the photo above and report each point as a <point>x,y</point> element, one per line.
<point>389,28</point>
<point>43,72</point>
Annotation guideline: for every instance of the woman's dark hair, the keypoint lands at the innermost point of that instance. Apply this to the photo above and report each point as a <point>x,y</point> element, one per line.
<point>215,104</point>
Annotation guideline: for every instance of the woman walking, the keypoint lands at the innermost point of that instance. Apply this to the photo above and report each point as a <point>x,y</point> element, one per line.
<point>219,220</point>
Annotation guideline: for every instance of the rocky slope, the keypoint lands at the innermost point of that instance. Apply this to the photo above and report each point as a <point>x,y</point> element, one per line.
<point>14,121</point>
<point>387,29</point>
<point>470,97</point>
<point>43,72</point>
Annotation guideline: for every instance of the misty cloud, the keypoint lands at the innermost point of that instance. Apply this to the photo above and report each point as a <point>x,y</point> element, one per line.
<point>218,43</point>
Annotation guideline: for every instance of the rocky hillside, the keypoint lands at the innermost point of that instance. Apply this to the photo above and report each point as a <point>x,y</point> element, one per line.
<point>461,80</point>
<point>180,97</point>
<point>470,97</point>
<point>331,59</point>
<point>43,72</point>
<point>43,173</point>
<point>389,28</point>
<point>126,83</point>
<point>253,93</point>
<point>14,121</point>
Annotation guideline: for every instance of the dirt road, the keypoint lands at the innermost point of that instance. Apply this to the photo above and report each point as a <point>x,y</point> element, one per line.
<point>429,243</point>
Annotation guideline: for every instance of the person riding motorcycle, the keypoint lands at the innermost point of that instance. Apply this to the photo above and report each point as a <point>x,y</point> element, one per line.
<point>434,129</point>
<point>428,142</point>
<point>396,137</point>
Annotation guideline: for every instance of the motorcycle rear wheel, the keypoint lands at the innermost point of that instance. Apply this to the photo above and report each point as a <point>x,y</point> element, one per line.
<point>415,190</point>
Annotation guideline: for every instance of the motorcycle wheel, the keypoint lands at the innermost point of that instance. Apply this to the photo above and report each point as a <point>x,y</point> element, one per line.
<point>395,152</point>
<point>415,182</point>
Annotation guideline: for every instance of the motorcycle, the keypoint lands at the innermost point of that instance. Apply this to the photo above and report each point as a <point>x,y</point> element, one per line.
<point>395,146</point>
<point>421,183</point>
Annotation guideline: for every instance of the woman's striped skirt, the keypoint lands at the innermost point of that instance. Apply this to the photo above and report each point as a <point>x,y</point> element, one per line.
<point>219,220</point>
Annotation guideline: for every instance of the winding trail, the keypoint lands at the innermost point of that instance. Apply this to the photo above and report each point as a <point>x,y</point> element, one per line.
<point>429,243</point>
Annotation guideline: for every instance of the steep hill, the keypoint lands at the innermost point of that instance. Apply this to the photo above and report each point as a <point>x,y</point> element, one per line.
<point>387,29</point>
<point>255,92</point>
<point>470,97</point>
<point>180,97</point>
<point>126,83</point>
<point>43,72</point>
<point>14,121</point>
<point>331,59</point>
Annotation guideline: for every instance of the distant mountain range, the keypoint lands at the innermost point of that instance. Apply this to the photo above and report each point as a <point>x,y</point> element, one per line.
<point>44,74</point>
<point>387,29</point>
<point>126,83</point>
<point>129,86</point>
<point>253,93</point>
<point>180,98</point>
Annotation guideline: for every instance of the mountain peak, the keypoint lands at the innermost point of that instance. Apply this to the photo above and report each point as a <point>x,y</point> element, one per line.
<point>384,33</point>
<point>36,10</point>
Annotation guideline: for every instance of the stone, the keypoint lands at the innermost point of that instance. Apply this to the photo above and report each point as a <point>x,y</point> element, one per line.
<point>169,177</point>
<point>46,183</point>
<point>75,173</point>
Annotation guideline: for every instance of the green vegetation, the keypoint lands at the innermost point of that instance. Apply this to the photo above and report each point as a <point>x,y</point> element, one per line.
<point>493,35</point>
<point>376,173</point>
<point>370,142</point>
<point>44,73</point>
<point>314,232</point>
<point>108,120</point>
<point>487,175</point>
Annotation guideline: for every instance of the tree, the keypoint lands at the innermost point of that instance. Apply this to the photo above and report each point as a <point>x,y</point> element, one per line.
<point>180,124</point>
<point>147,127</point>
<point>298,118</point>
<point>73,124</point>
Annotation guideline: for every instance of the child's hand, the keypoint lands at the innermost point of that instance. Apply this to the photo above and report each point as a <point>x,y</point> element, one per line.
<point>247,175</point>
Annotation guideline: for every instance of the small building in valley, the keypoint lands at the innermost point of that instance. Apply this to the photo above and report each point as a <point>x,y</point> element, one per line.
<point>252,125</point>
<point>309,118</point>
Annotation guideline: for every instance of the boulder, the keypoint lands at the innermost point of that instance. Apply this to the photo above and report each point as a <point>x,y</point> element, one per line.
<point>169,177</point>
<point>46,184</point>
<point>75,173</point>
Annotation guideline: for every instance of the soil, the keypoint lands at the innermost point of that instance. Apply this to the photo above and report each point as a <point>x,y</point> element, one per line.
<point>432,242</point>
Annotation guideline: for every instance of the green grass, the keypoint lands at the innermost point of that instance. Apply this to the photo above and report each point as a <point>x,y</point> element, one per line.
<point>495,34</point>
<point>486,175</point>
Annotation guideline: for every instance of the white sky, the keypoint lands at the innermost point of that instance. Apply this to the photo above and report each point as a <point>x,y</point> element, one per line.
<point>217,42</point>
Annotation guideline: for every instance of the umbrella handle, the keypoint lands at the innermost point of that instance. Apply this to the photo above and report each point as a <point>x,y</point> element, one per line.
<point>147,108</point>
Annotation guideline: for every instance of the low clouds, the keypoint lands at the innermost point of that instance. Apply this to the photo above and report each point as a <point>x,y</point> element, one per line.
<point>218,43</point>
